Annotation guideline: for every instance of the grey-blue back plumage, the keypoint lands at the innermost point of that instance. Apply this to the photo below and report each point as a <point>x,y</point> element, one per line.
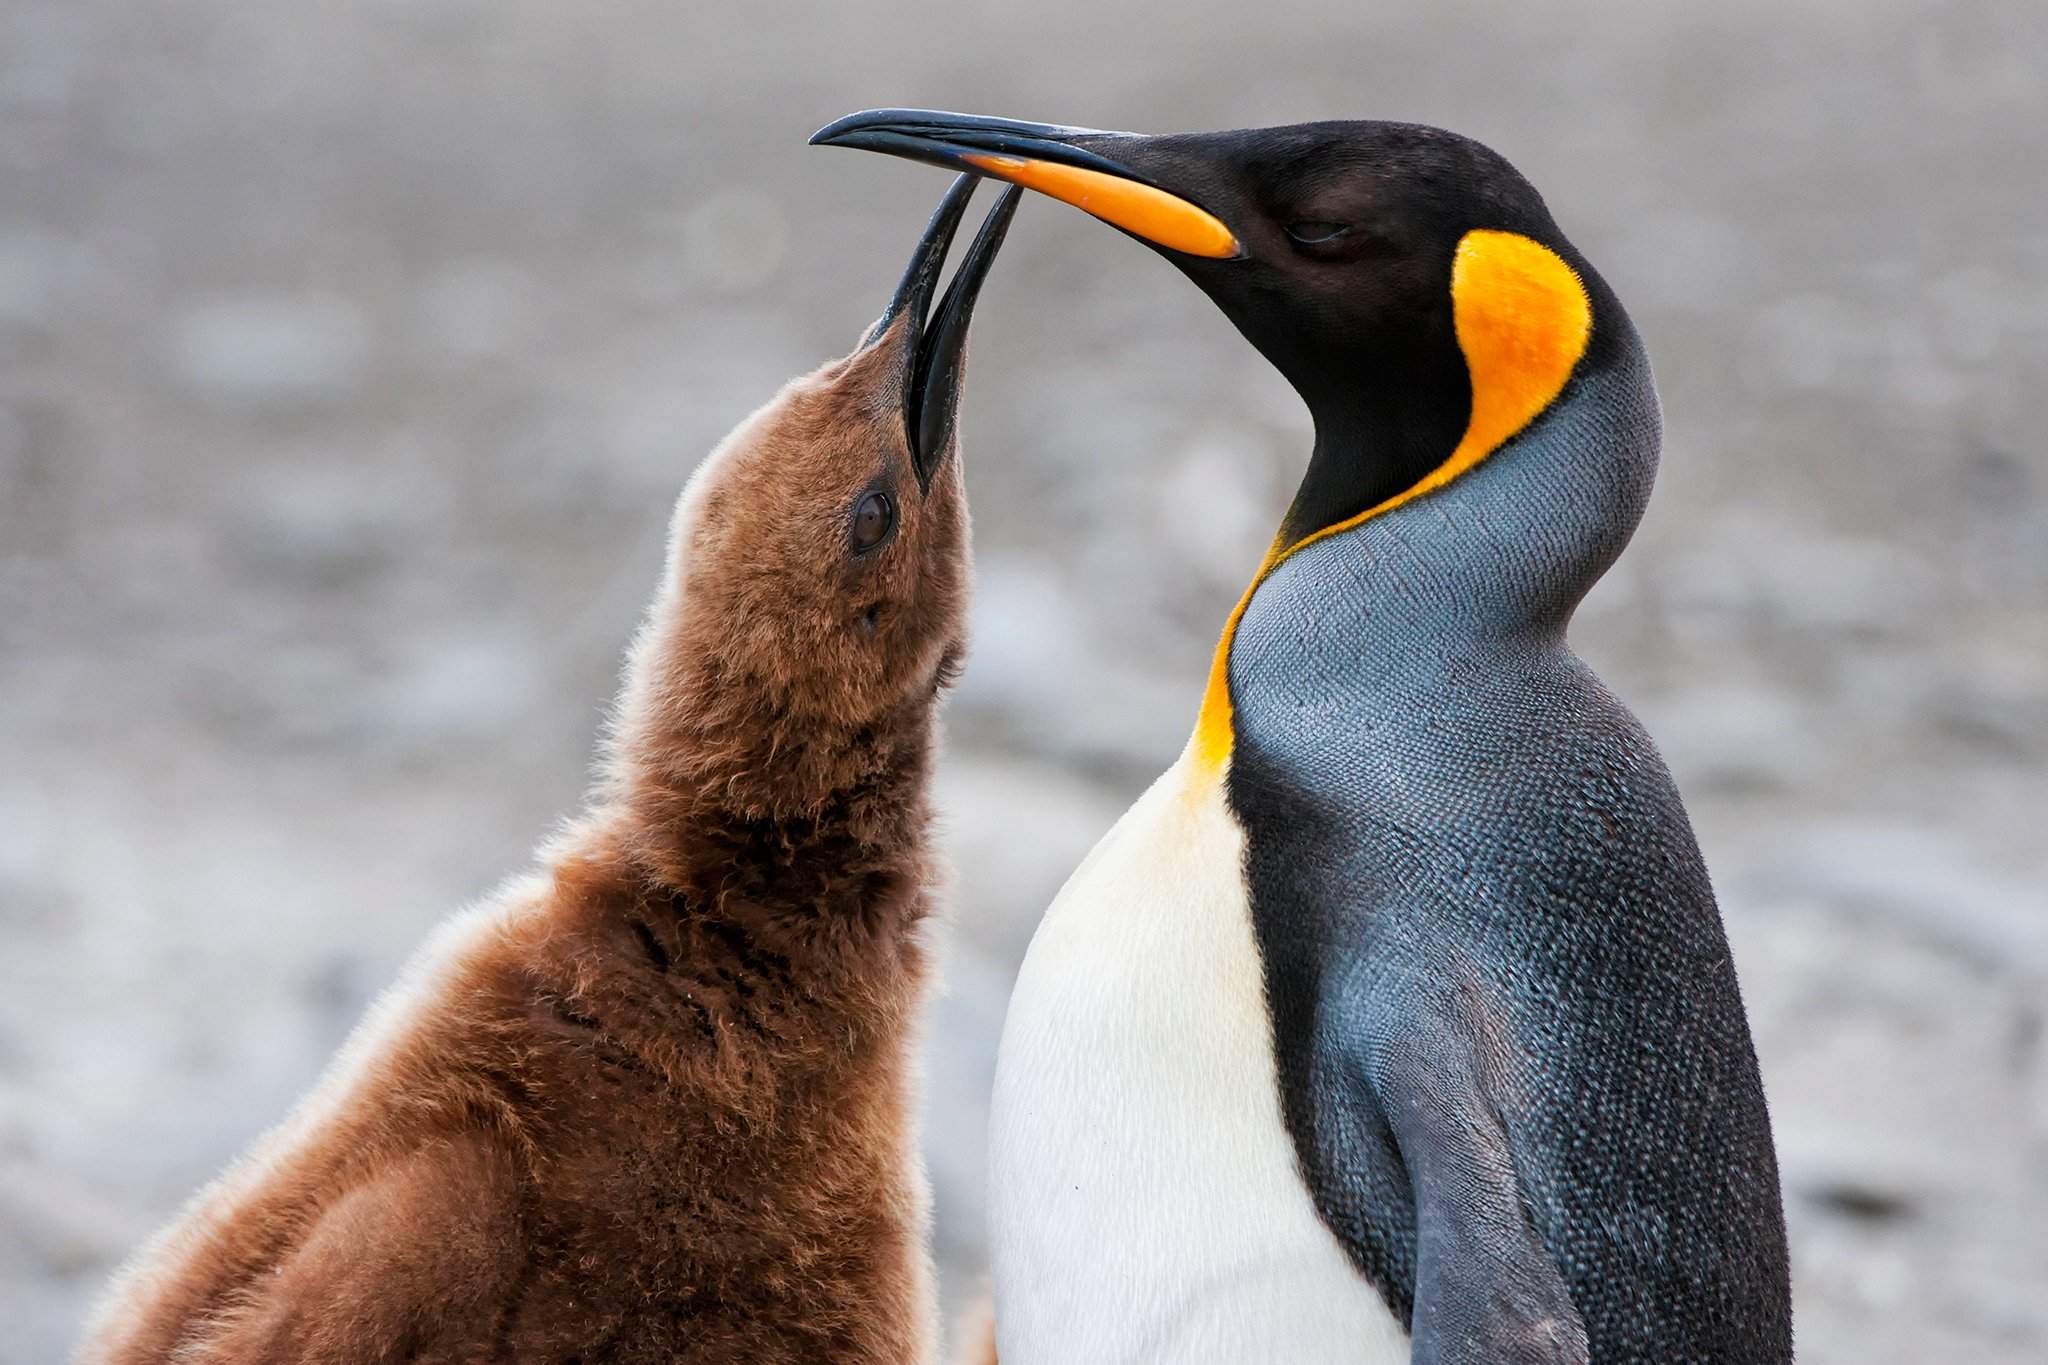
<point>1479,900</point>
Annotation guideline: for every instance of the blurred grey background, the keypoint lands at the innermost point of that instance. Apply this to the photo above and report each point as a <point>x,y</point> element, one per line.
<point>351,355</point>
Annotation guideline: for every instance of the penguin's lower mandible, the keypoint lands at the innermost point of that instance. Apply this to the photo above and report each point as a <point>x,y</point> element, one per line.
<point>1396,1021</point>
<point>655,1101</point>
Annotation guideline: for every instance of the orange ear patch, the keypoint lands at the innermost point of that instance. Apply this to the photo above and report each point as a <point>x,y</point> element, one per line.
<point>1523,319</point>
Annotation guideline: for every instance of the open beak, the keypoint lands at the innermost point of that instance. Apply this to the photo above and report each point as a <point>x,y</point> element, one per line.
<point>1076,165</point>
<point>934,365</point>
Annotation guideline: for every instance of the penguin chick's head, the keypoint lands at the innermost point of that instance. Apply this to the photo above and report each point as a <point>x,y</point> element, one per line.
<point>817,589</point>
<point>1408,282</point>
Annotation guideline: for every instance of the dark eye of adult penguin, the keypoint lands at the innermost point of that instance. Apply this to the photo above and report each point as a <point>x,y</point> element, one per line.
<point>1396,1021</point>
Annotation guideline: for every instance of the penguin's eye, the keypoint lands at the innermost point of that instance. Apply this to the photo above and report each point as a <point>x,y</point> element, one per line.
<point>874,516</point>
<point>1317,234</point>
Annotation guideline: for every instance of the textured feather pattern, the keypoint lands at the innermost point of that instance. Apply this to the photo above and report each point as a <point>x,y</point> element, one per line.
<point>1512,1053</point>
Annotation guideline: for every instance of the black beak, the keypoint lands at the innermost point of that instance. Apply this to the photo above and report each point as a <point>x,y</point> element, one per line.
<point>1080,166</point>
<point>935,363</point>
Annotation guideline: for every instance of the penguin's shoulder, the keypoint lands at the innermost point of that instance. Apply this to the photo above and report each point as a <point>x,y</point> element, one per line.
<point>1482,920</point>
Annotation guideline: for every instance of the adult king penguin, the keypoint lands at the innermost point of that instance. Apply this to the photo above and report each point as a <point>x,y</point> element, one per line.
<point>1396,1021</point>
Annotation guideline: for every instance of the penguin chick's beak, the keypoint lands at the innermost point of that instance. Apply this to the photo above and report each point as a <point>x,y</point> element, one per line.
<point>933,366</point>
<point>1076,165</point>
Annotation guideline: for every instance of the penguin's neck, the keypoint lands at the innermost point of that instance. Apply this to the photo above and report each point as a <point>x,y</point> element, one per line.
<point>701,764</point>
<point>1374,438</point>
<point>1485,565</point>
<point>1449,518</point>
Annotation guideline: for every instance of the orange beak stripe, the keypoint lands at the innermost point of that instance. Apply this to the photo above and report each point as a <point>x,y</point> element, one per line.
<point>1137,208</point>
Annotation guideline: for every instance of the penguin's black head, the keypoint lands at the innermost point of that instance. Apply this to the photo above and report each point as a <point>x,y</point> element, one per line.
<point>1407,281</point>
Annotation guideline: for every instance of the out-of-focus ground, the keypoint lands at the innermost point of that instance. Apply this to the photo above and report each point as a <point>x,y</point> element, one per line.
<point>351,355</point>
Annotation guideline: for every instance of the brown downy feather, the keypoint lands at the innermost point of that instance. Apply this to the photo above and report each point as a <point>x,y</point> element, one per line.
<point>654,1103</point>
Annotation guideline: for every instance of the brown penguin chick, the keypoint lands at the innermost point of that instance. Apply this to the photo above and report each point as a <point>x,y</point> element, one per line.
<point>654,1102</point>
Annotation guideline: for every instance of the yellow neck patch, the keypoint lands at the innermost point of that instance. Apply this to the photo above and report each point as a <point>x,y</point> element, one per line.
<point>1523,319</point>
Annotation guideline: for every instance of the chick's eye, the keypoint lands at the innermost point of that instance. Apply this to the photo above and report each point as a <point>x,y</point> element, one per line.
<point>1313,233</point>
<point>874,516</point>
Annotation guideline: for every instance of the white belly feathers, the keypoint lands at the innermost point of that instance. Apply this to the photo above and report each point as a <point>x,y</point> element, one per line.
<point>1145,1202</point>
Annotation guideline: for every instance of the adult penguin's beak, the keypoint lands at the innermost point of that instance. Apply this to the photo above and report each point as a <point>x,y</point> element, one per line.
<point>1115,176</point>
<point>934,364</point>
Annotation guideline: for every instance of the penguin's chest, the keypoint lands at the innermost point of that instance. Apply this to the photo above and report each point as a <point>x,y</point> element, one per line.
<point>1145,1199</point>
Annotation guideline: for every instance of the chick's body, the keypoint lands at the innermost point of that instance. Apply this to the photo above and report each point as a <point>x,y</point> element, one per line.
<point>655,1101</point>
